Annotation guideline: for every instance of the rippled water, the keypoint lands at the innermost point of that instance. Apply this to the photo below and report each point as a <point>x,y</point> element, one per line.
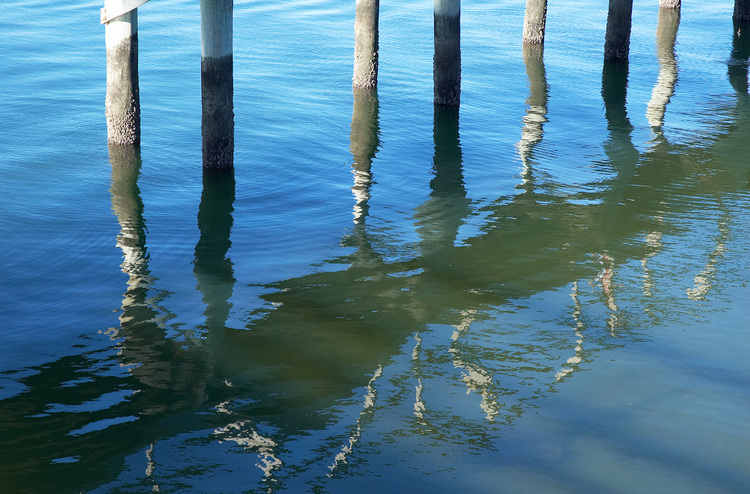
<point>546,291</point>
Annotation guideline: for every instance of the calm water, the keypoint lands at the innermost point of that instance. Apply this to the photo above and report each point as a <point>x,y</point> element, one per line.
<point>544,292</point>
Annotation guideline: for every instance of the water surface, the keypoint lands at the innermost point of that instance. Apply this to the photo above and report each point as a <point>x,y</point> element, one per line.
<point>543,291</point>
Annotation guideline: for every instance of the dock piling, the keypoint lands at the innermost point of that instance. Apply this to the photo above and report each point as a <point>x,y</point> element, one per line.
<point>217,89</point>
<point>534,22</point>
<point>122,102</point>
<point>619,22</point>
<point>447,61</point>
<point>366,44</point>
<point>670,4</point>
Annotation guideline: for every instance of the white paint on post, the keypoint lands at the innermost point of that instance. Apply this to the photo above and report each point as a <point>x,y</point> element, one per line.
<point>447,61</point>
<point>619,22</point>
<point>217,89</point>
<point>366,44</point>
<point>122,103</point>
<point>534,22</point>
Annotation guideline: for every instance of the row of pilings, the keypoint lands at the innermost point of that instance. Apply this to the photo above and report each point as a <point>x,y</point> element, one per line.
<point>217,122</point>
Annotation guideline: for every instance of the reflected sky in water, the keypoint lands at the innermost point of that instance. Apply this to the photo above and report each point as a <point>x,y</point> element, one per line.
<point>544,290</point>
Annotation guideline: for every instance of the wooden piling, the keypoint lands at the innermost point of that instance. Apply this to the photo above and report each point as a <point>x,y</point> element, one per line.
<point>619,21</point>
<point>670,4</point>
<point>447,61</point>
<point>217,90</point>
<point>122,102</point>
<point>366,44</point>
<point>534,22</point>
<point>741,10</point>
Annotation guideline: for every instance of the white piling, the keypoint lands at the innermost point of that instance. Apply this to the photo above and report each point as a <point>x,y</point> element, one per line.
<point>366,44</point>
<point>122,102</point>
<point>619,22</point>
<point>534,22</point>
<point>447,61</point>
<point>217,89</point>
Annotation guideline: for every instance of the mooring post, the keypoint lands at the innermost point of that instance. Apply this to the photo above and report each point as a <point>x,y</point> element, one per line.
<point>122,102</point>
<point>741,10</point>
<point>366,44</point>
<point>619,21</point>
<point>670,4</point>
<point>534,22</point>
<point>447,61</point>
<point>217,89</point>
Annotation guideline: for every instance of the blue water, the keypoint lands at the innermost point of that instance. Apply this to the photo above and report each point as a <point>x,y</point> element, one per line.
<point>543,292</point>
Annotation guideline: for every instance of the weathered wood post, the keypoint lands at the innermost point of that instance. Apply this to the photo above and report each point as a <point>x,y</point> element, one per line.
<point>366,44</point>
<point>619,21</point>
<point>447,61</point>
<point>534,22</point>
<point>217,89</point>
<point>670,4</point>
<point>122,102</point>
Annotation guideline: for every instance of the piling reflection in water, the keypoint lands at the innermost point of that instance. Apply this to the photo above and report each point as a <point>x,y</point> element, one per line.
<point>738,61</point>
<point>212,268</point>
<point>536,112</point>
<point>364,143</point>
<point>161,365</point>
<point>666,35</point>
<point>366,351</point>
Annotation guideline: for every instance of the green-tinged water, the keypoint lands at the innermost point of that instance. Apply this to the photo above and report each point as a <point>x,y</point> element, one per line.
<point>544,291</point>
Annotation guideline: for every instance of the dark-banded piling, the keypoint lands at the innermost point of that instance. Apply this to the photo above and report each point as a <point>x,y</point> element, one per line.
<point>447,61</point>
<point>217,89</point>
<point>619,22</point>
